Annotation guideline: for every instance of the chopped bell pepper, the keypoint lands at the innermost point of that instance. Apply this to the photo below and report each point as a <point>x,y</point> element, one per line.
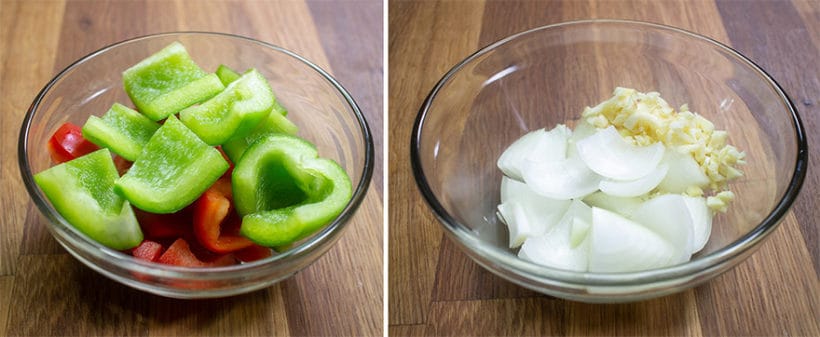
<point>82,191</point>
<point>285,192</point>
<point>210,211</point>
<point>174,168</point>
<point>252,253</point>
<point>148,250</point>
<point>165,226</point>
<point>180,254</point>
<point>167,82</point>
<point>68,143</point>
<point>274,123</point>
<point>232,113</point>
<point>122,130</point>
<point>226,75</point>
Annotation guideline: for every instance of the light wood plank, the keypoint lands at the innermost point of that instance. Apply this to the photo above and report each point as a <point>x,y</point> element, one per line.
<point>507,317</point>
<point>675,315</point>
<point>415,65</point>
<point>260,313</point>
<point>415,330</point>
<point>772,283</point>
<point>352,281</point>
<point>87,305</point>
<point>26,64</point>
<point>6,284</point>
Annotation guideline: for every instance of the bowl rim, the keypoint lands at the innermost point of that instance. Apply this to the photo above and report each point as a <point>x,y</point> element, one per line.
<point>503,259</point>
<point>328,233</point>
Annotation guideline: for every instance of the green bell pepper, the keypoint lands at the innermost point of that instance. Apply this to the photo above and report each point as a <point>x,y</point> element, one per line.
<point>174,168</point>
<point>124,131</point>
<point>232,113</point>
<point>226,75</point>
<point>285,192</point>
<point>275,122</point>
<point>82,191</point>
<point>167,82</point>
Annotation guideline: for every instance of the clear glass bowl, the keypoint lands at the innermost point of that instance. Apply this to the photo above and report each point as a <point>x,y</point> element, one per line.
<point>324,111</point>
<point>546,76</point>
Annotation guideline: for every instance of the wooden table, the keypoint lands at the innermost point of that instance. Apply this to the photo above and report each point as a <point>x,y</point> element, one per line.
<point>43,291</point>
<point>434,289</point>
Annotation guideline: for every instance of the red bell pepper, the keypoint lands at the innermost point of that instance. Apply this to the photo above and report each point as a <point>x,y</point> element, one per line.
<point>180,254</point>
<point>211,210</point>
<point>164,226</point>
<point>148,250</point>
<point>252,253</point>
<point>68,143</point>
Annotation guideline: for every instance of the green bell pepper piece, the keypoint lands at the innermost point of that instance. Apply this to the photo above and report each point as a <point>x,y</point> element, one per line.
<point>82,191</point>
<point>285,192</point>
<point>124,131</point>
<point>167,82</point>
<point>173,170</point>
<point>226,75</point>
<point>274,123</point>
<point>232,113</point>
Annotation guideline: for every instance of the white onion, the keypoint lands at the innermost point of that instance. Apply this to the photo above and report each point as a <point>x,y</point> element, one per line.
<point>528,214</point>
<point>668,216</point>
<point>513,158</point>
<point>622,205</point>
<point>565,179</point>
<point>617,244</point>
<point>684,172</point>
<point>554,248</point>
<point>634,188</point>
<point>611,156</point>
<point>701,221</point>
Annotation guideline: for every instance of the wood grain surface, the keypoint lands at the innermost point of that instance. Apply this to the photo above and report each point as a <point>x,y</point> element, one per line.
<point>45,292</point>
<point>435,289</point>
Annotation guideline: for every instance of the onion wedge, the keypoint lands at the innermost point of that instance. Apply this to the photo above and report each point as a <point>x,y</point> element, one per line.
<point>617,244</point>
<point>608,154</point>
<point>554,248</point>
<point>635,187</point>
<point>668,216</point>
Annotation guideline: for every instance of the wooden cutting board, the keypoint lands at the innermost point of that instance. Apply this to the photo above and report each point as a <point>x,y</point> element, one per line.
<point>434,289</point>
<point>44,291</point>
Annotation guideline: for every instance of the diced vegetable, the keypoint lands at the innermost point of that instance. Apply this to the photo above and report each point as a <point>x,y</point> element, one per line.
<point>122,130</point>
<point>285,192</point>
<point>226,75</point>
<point>180,254</point>
<point>253,253</point>
<point>148,250</point>
<point>167,82</point>
<point>173,170</point>
<point>275,122</point>
<point>82,191</point>
<point>165,226</point>
<point>68,143</point>
<point>234,112</point>
<point>210,211</point>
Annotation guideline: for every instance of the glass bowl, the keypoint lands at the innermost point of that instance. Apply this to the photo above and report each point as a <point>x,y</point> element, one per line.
<point>546,76</point>
<point>324,111</point>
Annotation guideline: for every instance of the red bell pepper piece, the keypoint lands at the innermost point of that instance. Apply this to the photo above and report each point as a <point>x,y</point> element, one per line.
<point>68,143</point>
<point>148,250</point>
<point>210,212</point>
<point>180,254</point>
<point>164,226</point>
<point>252,253</point>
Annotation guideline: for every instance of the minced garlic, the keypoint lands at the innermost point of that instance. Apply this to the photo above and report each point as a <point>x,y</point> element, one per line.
<point>646,118</point>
